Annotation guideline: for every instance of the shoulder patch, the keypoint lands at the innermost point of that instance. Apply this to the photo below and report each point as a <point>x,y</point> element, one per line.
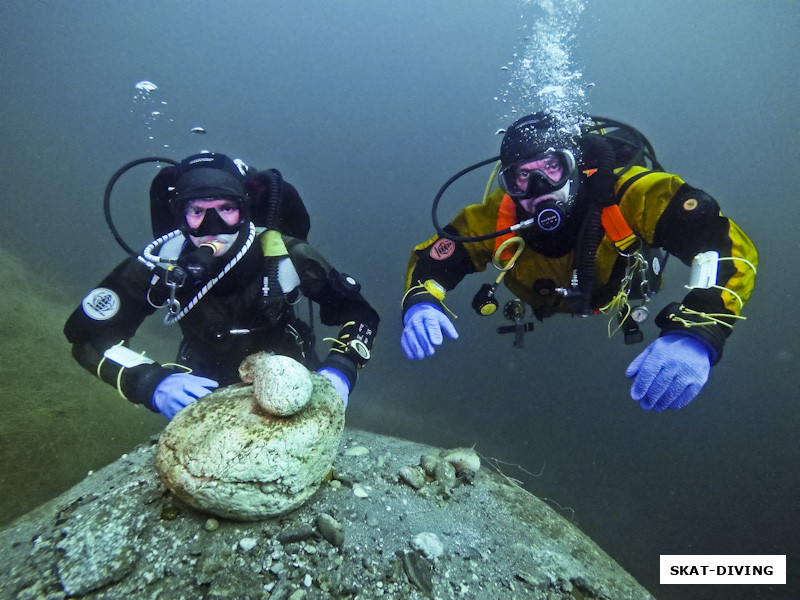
<point>693,203</point>
<point>442,249</point>
<point>101,304</point>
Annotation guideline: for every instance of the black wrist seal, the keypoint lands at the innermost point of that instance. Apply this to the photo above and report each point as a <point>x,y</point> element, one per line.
<point>676,317</point>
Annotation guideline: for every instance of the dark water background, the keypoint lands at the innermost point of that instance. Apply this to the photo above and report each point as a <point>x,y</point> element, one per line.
<point>367,107</point>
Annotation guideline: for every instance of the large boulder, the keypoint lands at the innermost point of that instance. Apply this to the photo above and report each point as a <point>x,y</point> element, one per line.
<point>368,533</point>
<point>254,450</point>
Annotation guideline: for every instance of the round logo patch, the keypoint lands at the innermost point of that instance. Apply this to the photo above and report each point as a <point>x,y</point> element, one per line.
<point>442,249</point>
<point>549,219</point>
<point>101,304</point>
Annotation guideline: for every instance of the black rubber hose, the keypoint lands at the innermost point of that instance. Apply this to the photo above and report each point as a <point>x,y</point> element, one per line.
<point>110,186</point>
<point>592,229</point>
<point>274,199</point>
<point>435,208</point>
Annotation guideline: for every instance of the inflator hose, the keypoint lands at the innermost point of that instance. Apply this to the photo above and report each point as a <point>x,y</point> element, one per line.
<point>435,208</point>
<point>110,186</point>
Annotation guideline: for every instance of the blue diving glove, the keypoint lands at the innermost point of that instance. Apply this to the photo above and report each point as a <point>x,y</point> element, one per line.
<point>179,390</point>
<point>424,324</point>
<point>339,381</point>
<point>670,372</point>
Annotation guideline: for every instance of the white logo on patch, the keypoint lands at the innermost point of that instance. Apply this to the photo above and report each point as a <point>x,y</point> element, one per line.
<point>101,304</point>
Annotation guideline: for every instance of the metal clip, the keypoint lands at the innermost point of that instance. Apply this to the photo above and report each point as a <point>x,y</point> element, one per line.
<point>175,278</point>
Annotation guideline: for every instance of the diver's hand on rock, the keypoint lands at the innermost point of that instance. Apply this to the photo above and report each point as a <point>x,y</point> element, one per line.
<point>338,380</point>
<point>179,390</point>
<point>424,324</point>
<point>670,372</point>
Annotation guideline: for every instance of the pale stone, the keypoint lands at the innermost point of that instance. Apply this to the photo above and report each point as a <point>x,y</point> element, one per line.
<point>226,455</point>
<point>429,544</point>
<point>428,463</point>
<point>413,476</point>
<point>357,451</point>
<point>248,543</point>
<point>462,459</point>
<point>281,385</point>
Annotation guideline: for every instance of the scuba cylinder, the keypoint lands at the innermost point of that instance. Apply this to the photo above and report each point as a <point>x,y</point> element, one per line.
<point>281,281</point>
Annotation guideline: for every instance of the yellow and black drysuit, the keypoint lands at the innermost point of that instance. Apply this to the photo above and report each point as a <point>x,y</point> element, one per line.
<point>227,324</point>
<point>661,209</point>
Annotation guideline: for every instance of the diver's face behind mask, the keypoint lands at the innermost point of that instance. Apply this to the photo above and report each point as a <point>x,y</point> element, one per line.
<point>541,185</point>
<point>538,175</point>
<point>213,222</point>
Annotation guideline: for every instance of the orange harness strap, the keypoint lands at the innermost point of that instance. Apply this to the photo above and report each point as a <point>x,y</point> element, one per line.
<point>616,228</point>
<point>506,217</point>
<point>614,224</point>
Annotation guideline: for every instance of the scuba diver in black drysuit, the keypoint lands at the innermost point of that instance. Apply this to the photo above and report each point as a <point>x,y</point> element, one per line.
<point>230,263</point>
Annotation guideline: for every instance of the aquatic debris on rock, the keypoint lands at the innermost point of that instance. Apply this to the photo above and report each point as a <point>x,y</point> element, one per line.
<point>462,459</point>
<point>449,469</point>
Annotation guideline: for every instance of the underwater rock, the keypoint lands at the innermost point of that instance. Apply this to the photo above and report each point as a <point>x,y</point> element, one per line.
<point>462,459</point>
<point>428,463</point>
<point>330,529</point>
<point>281,385</point>
<point>105,538</point>
<point>413,476</point>
<point>229,454</point>
<point>97,550</point>
<point>428,544</point>
<point>445,474</point>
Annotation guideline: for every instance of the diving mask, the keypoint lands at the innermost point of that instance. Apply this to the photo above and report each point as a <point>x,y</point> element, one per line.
<point>213,216</point>
<point>556,168</point>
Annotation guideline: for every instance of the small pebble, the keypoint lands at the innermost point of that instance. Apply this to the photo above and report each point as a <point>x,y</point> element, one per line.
<point>211,525</point>
<point>330,529</point>
<point>413,476</point>
<point>428,463</point>
<point>429,544</point>
<point>359,491</point>
<point>445,474</point>
<point>357,451</point>
<point>248,543</point>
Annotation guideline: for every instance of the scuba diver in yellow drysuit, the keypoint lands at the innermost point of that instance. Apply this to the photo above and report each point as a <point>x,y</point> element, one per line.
<point>580,224</point>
